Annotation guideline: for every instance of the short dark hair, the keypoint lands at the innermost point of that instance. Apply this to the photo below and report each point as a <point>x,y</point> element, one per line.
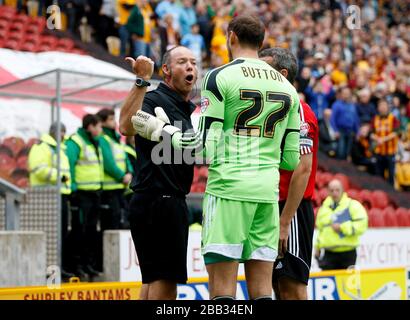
<point>166,58</point>
<point>249,29</point>
<point>103,114</point>
<point>282,59</point>
<point>90,119</point>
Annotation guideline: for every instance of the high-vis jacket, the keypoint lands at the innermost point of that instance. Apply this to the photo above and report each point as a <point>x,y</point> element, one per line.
<point>42,163</point>
<point>85,161</point>
<point>116,163</point>
<point>353,220</point>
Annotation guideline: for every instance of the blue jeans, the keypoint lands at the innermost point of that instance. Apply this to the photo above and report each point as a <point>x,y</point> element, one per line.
<point>141,48</point>
<point>386,162</point>
<point>124,37</point>
<point>344,144</point>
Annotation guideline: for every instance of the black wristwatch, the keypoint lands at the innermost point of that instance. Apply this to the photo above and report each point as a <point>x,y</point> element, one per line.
<point>139,82</point>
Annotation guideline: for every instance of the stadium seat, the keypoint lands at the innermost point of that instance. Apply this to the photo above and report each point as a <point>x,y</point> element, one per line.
<point>376,218</point>
<point>403,217</point>
<point>15,144</point>
<point>29,46</point>
<point>379,199</point>
<point>12,44</point>
<point>4,34</point>
<point>7,15</point>
<point>22,18</point>
<point>19,26</point>
<point>323,193</point>
<point>21,182</point>
<point>33,28</point>
<point>390,217</point>
<point>366,196</point>
<point>354,194</point>
<point>4,24</point>
<point>31,142</point>
<point>5,151</point>
<point>17,35</point>
<point>65,43</point>
<point>21,162</point>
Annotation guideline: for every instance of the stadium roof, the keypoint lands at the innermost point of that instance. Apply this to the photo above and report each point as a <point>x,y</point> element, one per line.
<point>73,86</point>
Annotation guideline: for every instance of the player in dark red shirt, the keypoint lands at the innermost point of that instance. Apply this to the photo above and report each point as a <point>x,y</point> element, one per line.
<point>291,269</point>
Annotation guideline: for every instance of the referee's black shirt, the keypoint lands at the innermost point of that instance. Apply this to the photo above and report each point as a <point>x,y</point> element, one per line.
<point>163,178</point>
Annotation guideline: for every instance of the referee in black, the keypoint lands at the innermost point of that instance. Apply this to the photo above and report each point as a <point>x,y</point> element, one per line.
<point>158,211</point>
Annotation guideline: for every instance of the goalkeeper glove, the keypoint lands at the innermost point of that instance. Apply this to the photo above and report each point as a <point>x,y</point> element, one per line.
<point>151,127</point>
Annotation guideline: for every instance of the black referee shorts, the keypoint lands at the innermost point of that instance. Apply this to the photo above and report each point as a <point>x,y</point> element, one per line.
<point>297,260</point>
<point>159,228</point>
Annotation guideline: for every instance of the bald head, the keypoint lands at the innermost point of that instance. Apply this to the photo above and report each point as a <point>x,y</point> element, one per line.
<point>336,190</point>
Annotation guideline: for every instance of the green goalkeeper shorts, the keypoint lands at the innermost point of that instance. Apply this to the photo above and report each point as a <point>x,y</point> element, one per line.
<point>239,230</point>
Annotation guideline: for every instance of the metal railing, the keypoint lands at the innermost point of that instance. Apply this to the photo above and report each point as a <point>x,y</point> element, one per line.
<point>13,196</point>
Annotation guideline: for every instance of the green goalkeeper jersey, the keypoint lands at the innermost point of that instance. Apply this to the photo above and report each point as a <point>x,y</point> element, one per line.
<point>249,127</point>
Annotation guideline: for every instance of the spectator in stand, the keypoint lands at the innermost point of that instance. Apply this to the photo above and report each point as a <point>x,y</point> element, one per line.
<point>187,17</point>
<point>124,8</point>
<point>169,36</point>
<point>169,7</point>
<point>327,135</point>
<point>385,128</point>
<point>135,27</point>
<point>403,161</point>
<point>340,222</point>
<point>106,22</point>
<point>345,122</point>
<point>148,14</point>
<point>362,154</point>
<point>317,97</point>
<point>195,42</point>
<point>366,110</point>
<point>205,26</point>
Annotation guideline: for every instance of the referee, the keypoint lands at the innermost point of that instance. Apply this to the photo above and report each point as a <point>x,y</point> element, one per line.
<point>158,211</point>
<point>291,271</point>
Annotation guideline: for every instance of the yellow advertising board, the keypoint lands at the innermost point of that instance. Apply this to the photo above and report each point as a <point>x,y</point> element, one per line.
<point>380,284</point>
<point>75,291</point>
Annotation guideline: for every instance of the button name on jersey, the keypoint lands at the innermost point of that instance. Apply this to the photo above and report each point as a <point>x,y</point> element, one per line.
<point>261,73</point>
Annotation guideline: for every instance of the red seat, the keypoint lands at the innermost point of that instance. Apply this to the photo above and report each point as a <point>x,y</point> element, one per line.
<point>379,199</point>
<point>33,28</point>
<point>65,43</point>
<point>29,46</point>
<point>12,44</point>
<point>366,198</point>
<point>354,194</point>
<point>390,217</point>
<point>15,144</point>
<point>4,24</point>
<point>21,182</point>
<point>7,15</point>
<point>376,218</point>
<point>22,18</point>
<point>5,8</point>
<point>19,26</point>
<point>403,217</point>
<point>322,195</point>
<point>4,33</point>
<point>17,35</point>
<point>31,142</point>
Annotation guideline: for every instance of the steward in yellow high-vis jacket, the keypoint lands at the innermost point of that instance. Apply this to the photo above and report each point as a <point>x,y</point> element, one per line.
<point>87,173</point>
<point>340,222</point>
<point>42,164</point>
<point>117,173</point>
